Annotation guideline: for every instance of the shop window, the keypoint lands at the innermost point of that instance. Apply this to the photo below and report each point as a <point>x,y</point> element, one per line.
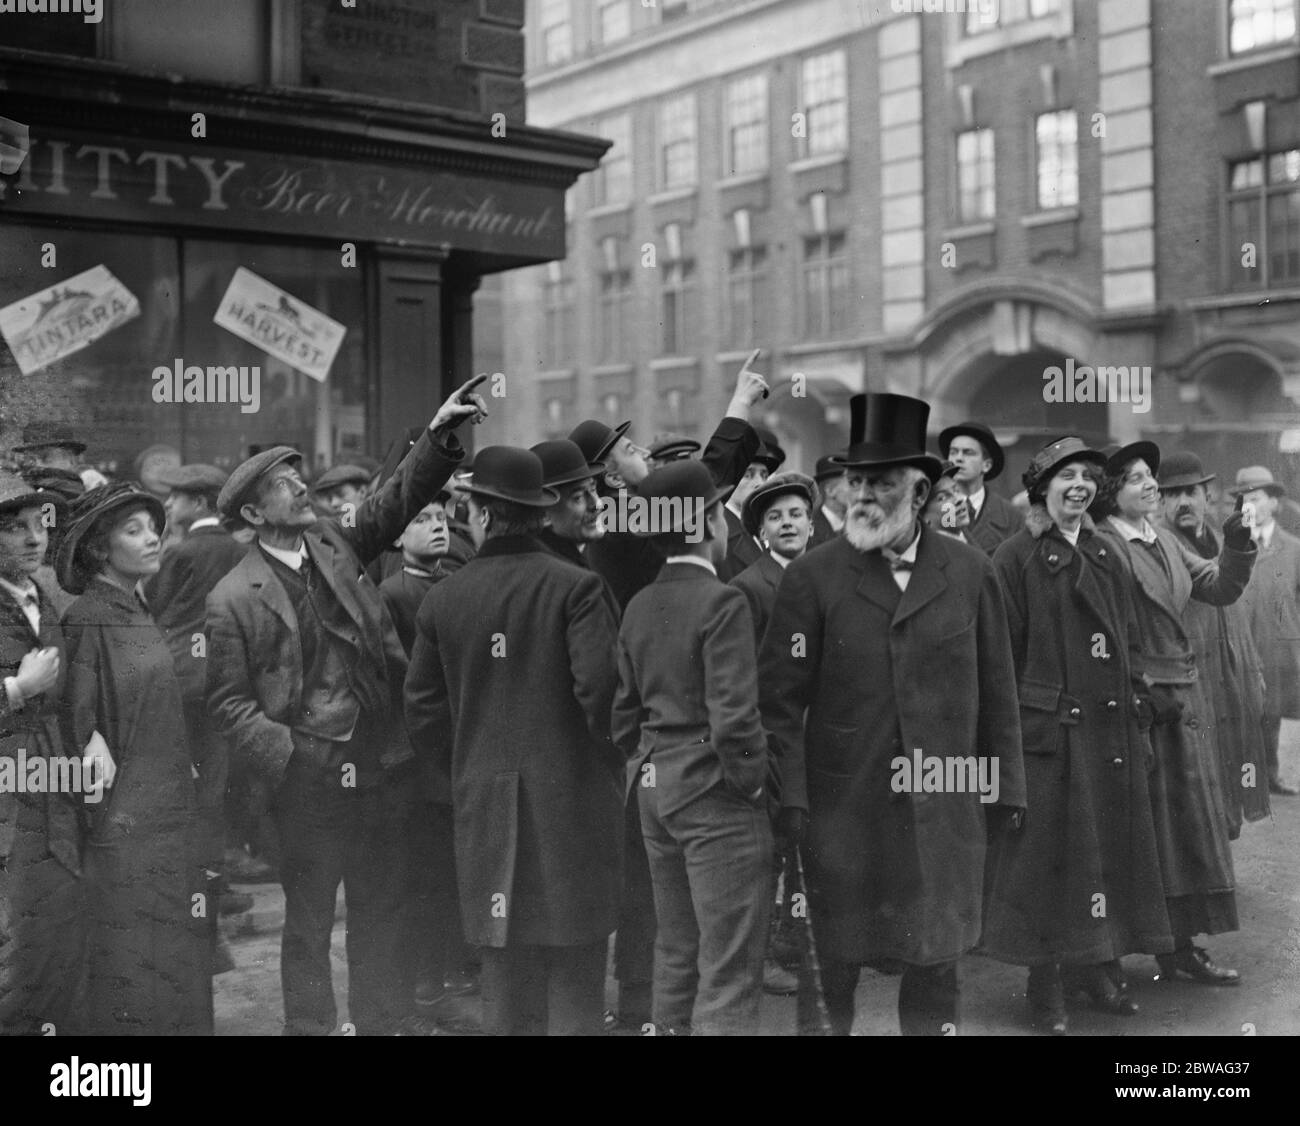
<point>1254,24</point>
<point>1263,248</point>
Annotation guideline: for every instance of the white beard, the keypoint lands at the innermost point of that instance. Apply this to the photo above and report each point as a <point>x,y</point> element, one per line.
<point>861,535</point>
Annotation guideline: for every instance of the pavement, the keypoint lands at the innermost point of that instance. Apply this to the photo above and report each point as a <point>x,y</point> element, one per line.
<point>1266,951</point>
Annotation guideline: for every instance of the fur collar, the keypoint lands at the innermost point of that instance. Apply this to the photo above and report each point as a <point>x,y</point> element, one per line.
<point>1038,523</point>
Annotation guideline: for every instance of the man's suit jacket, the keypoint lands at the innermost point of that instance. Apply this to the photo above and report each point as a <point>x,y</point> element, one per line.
<point>741,548</point>
<point>178,595</point>
<point>996,523</point>
<point>688,693</point>
<point>629,563</point>
<point>855,676</point>
<point>508,696</point>
<point>758,583</point>
<point>822,532</point>
<point>1272,601</point>
<point>255,669</point>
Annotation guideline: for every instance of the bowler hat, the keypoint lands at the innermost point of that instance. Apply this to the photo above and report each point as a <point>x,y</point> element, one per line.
<point>196,478</point>
<point>595,439</point>
<point>18,492</point>
<point>1147,451</point>
<point>770,452</point>
<point>37,435</point>
<point>339,475</point>
<point>240,484</point>
<point>1257,477</point>
<point>1182,469</point>
<point>827,467</point>
<point>1055,454</point>
<point>66,482</point>
<point>760,500</point>
<point>674,449</point>
<point>509,473</point>
<point>687,481</point>
<point>888,430</point>
<point>563,463</point>
<point>981,434</point>
<point>73,571</point>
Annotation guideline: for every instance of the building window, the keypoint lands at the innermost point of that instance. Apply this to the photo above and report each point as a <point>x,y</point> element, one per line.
<point>826,287</point>
<point>1253,24</point>
<point>677,300</point>
<point>615,299</point>
<point>745,122</point>
<point>1057,139</point>
<point>673,9</point>
<point>612,181</point>
<point>988,15</point>
<point>614,19</point>
<point>677,142</point>
<point>975,198</point>
<point>557,31</point>
<point>825,103</point>
<point>557,318</point>
<point>1264,221</point>
<point>746,295</point>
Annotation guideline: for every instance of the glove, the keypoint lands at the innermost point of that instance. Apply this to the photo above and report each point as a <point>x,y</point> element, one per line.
<point>1165,705</point>
<point>1235,534</point>
<point>792,826</point>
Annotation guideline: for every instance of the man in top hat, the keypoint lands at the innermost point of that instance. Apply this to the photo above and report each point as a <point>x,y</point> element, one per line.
<point>339,487</point>
<point>1272,602</point>
<point>973,449</point>
<point>828,520</point>
<point>888,651</point>
<point>1226,653</point>
<point>672,448</point>
<point>43,933</point>
<point>508,695</point>
<point>305,675</point>
<point>686,717</point>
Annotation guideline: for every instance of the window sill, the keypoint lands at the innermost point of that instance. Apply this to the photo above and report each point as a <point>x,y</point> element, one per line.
<point>623,368</point>
<point>672,195</point>
<point>665,363</point>
<point>961,49</point>
<point>1240,298</point>
<point>608,209</point>
<point>821,160</point>
<point>1262,57</point>
<point>1047,218</point>
<point>553,374</point>
<point>742,179</point>
<point>969,230</point>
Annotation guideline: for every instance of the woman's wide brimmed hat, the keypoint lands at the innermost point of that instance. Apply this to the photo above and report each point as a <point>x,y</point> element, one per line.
<point>1055,454</point>
<point>1147,451</point>
<point>88,511</point>
<point>509,473</point>
<point>887,430</point>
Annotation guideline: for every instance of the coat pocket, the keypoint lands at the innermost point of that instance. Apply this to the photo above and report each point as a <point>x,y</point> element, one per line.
<point>1040,723</point>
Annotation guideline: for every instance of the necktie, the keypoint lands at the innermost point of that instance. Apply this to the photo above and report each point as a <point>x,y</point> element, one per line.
<point>899,564</point>
<point>32,609</point>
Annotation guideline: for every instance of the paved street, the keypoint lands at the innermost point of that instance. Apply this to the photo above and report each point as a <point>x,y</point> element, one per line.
<point>1266,950</point>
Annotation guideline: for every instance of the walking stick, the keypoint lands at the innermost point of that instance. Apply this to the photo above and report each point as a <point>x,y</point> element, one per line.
<point>811,1018</point>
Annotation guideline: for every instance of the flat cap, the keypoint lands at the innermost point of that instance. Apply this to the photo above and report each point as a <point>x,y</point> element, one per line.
<point>196,478</point>
<point>674,449</point>
<point>240,484</point>
<point>338,475</point>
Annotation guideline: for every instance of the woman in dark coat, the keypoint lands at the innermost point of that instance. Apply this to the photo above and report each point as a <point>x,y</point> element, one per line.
<point>149,967</point>
<point>1079,886</point>
<point>1190,807</point>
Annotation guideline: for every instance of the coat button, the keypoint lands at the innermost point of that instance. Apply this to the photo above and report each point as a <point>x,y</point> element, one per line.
<point>1193,722</point>
<point>1053,558</point>
<point>1101,551</point>
<point>1112,704</point>
<point>1075,713</point>
<point>1117,762</point>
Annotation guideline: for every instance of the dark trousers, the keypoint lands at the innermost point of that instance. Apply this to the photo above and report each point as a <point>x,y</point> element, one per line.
<point>1272,725</point>
<point>544,990</point>
<point>355,835</point>
<point>634,944</point>
<point>434,943</point>
<point>928,997</point>
<point>709,863</point>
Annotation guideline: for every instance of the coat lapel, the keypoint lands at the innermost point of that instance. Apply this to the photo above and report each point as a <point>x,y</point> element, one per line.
<point>260,577</point>
<point>1151,576</point>
<point>12,616</point>
<point>770,570</point>
<point>928,580</point>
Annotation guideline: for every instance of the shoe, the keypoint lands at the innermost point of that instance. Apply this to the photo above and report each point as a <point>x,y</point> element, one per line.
<point>1195,963</point>
<point>235,903</point>
<point>616,1025</point>
<point>1047,1000</point>
<point>1280,788</point>
<point>777,981</point>
<point>1096,984</point>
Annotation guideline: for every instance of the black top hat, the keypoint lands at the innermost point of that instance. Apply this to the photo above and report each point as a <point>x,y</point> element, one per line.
<point>509,473</point>
<point>72,569</point>
<point>1147,451</point>
<point>595,439</point>
<point>827,467</point>
<point>688,481</point>
<point>1182,469</point>
<point>762,498</point>
<point>563,463</point>
<point>888,430</point>
<point>37,435</point>
<point>981,434</point>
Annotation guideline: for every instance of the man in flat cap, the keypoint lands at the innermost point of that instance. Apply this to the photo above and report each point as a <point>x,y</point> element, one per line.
<point>979,459</point>
<point>864,631</point>
<point>340,489</point>
<point>305,674</point>
<point>670,448</point>
<point>1272,601</point>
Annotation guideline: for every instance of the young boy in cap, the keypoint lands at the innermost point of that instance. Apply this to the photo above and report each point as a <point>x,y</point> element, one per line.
<point>686,716</point>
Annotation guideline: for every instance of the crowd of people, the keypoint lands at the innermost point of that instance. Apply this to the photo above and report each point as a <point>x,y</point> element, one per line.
<point>511,727</point>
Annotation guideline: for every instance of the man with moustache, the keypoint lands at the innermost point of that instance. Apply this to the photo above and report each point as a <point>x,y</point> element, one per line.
<point>973,449</point>
<point>862,632</point>
<point>1225,651</point>
<point>829,517</point>
<point>1272,601</point>
<point>305,677</point>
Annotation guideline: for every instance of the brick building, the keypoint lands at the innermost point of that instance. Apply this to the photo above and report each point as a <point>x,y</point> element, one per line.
<point>370,160</point>
<point>942,203</point>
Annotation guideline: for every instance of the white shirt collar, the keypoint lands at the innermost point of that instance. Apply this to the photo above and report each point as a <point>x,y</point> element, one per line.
<point>977,499</point>
<point>696,559</point>
<point>204,522</point>
<point>1266,533</point>
<point>19,592</point>
<point>730,507</point>
<point>781,560</point>
<point>1073,537</point>
<point>908,554</point>
<point>291,559</point>
<point>1145,533</point>
<point>833,519</point>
